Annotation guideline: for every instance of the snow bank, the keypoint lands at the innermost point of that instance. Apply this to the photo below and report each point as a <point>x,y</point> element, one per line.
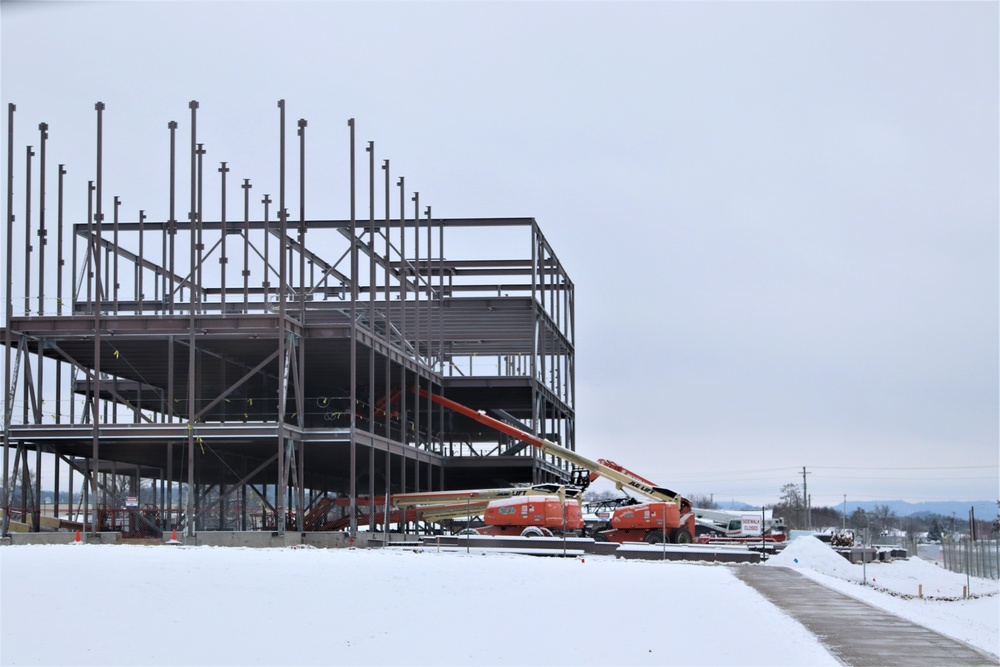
<point>810,552</point>
<point>905,577</point>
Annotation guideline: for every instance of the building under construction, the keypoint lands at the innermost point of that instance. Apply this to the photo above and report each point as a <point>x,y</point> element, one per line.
<point>262,370</point>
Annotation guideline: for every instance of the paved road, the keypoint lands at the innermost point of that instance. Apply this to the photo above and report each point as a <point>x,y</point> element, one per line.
<point>857,633</point>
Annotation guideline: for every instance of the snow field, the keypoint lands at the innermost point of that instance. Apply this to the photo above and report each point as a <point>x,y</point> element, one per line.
<point>130,605</point>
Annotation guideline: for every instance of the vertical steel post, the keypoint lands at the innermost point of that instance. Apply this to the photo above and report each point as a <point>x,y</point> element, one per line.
<point>430,329</point>
<point>192,222</point>
<point>440,306</point>
<point>243,499</point>
<point>388,341</point>
<point>354,349</point>
<point>416,328</point>
<point>192,207</point>
<point>60,261</point>
<point>59,296</point>
<point>371,328</point>
<point>172,222</point>
<point>169,505</point>
<point>430,301</point>
<point>266,201</point>
<point>441,301</point>
<point>300,401</point>
<point>36,508</point>
<point>42,233</point>
<point>8,396</point>
<point>89,248</point>
<point>282,348</point>
<point>403,282</point>
<point>139,295</point>
<point>86,485</point>
<point>27,234</point>
<point>114,244</point>
<point>302,220</point>
<point>55,483</point>
<point>24,347</point>
<point>224,259</point>
<point>371,245</point>
<point>416,280</point>
<point>246,244</point>
<point>533,368</point>
<point>96,387</point>
<point>199,223</point>
<point>69,485</point>
<point>403,289</point>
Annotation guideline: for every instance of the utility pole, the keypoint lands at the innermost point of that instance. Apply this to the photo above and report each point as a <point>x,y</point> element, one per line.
<point>844,517</point>
<point>805,499</point>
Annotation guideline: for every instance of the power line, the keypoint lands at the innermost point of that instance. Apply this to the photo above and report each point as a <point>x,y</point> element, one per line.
<point>915,479</point>
<point>904,468</point>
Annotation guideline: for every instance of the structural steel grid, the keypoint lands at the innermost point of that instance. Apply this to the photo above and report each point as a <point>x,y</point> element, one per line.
<point>263,371</point>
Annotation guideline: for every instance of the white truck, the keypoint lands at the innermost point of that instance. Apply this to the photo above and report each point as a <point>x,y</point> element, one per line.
<point>738,525</point>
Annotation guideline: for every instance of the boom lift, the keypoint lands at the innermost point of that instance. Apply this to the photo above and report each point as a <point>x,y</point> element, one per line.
<point>670,515</point>
<point>438,506</point>
<point>534,511</point>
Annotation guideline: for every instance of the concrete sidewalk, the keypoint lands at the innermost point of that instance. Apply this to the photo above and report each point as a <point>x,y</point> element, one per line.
<point>856,633</point>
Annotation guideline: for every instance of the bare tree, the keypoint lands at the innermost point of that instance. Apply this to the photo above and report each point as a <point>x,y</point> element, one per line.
<point>597,496</point>
<point>882,519</point>
<point>703,501</point>
<point>23,485</point>
<point>791,506</point>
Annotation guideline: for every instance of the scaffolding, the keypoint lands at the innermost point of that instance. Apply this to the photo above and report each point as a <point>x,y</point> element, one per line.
<point>238,373</point>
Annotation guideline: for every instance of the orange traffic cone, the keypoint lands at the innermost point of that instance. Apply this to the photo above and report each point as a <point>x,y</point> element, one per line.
<point>173,535</point>
<point>78,536</point>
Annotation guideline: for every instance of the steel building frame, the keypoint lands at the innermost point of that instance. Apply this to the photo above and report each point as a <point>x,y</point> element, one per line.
<point>296,379</point>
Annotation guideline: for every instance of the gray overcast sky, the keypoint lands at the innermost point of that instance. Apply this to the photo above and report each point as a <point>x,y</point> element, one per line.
<point>781,218</point>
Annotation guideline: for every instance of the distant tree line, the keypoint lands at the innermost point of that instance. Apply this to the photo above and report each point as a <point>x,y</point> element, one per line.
<point>881,520</point>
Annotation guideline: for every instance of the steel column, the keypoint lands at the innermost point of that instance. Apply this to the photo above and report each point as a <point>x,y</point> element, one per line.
<point>95,401</point>
<point>192,349</point>
<point>8,409</point>
<point>354,346</point>
<point>371,327</point>
<point>282,326</point>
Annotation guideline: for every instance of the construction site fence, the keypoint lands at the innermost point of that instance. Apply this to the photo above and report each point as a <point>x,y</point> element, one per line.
<point>979,558</point>
<point>927,572</point>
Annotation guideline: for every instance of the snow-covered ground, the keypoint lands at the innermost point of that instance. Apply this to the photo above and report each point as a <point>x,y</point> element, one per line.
<point>175,605</point>
<point>93,604</point>
<point>896,587</point>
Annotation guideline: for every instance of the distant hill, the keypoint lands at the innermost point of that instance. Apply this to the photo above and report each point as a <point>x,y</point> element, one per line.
<point>735,505</point>
<point>985,509</point>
